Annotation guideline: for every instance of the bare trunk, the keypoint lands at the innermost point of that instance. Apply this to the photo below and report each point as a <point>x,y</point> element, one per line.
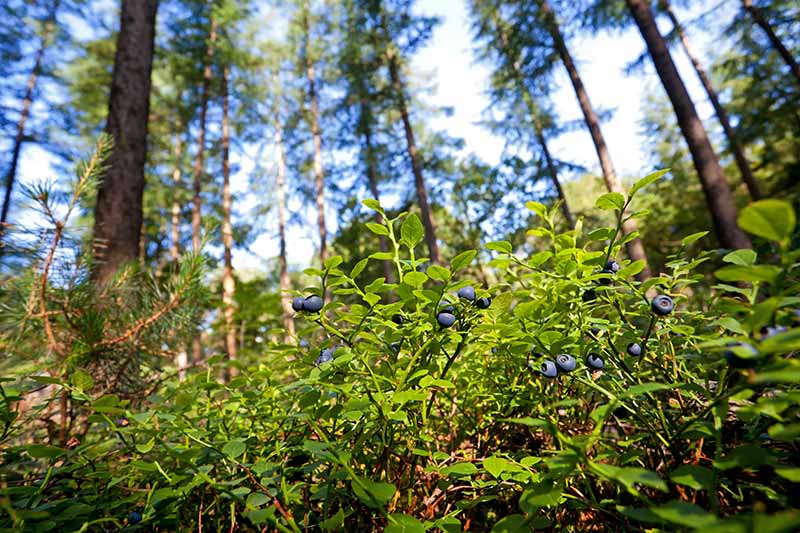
<point>285,281</point>
<point>228,281</point>
<point>319,176</point>
<point>759,19</point>
<point>715,186</point>
<point>635,247</point>
<point>27,101</point>
<point>719,110</point>
<point>118,212</point>
<point>416,165</point>
<point>174,249</point>
<point>372,178</point>
<point>551,169</point>
<point>197,184</point>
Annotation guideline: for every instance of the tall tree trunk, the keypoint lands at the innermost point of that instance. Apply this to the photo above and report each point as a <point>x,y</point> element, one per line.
<point>319,175</point>
<point>228,281</point>
<point>715,186</point>
<point>635,247</point>
<point>27,101</point>
<point>285,281</point>
<point>719,110</point>
<point>174,248</point>
<point>759,19</point>
<point>372,178</point>
<point>551,169</point>
<point>118,212</point>
<point>416,164</point>
<point>197,184</point>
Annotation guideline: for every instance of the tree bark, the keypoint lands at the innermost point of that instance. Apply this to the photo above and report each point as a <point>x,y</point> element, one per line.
<point>319,175</point>
<point>27,102</point>
<point>719,110</point>
<point>635,247</point>
<point>197,184</point>
<point>174,249</point>
<point>416,164</point>
<point>118,212</point>
<point>715,186</point>
<point>759,19</point>
<point>228,281</point>
<point>372,179</point>
<point>285,281</point>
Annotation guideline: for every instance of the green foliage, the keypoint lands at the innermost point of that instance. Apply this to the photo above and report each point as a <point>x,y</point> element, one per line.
<point>412,427</point>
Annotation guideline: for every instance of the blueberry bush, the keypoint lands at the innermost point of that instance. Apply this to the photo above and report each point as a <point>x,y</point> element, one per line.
<point>565,396</point>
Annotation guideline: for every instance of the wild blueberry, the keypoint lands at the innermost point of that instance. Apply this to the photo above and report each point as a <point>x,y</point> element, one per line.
<point>612,266</point>
<point>313,304</point>
<point>662,305</point>
<point>447,309</point>
<point>595,331</point>
<point>483,303</point>
<point>595,361</point>
<point>468,293</point>
<point>549,369</point>
<point>395,346</point>
<point>589,295</point>
<point>566,362</point>
<point>736,360</point>
<point>135,517</point>
<point>123,422</point>
<point>771,331</point>
<point>445,319</point>
<point>634,349</point>
<point>325,356</point>
<point>398,319</point>
<point>606,280</point>
<point>297,303</point>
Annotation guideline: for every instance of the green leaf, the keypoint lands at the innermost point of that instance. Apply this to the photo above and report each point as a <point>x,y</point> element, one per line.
<point>696,477</point>
<point>234,448</point>
<point>373,204</point>
<point>500,246</point>
<point>632,269</point>
<point>402,523</point>
<point>463,259</point>
<point>257,499</point>
<point>373,494</point>
<point>334,522</point>
<point>495,465</point>
<point>514,523</point>
<point>790,473</point>
<point>415,279</point>
<point>731,324</point>
<point>745,456</point>
<point>412,231</point>
<point>611,201</point>
<point>788,341</point>
<point>773,220</point>
<point>647,180</point>
<point>630,476</point>
<point>684,514</point>
<point>538,495</point>
<point>333,262</point>
<point>460,469</point>
<point>382,256</point>
<point>378,229</point>
<point>743,257</point>
<point>359,268</point>
<point>751,274</point>
<point>81,380</point>
<point>537,208</point>
<point>146,447</point>
<point>42,451</point>
<point>689,239</point>
<point>438,273</point>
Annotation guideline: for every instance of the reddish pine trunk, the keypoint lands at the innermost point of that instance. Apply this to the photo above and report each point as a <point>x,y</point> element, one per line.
<point>118,212</point>
<point>228,281</point>
<point>285,282</point>
<point>715,186</point>
<point>635,247</point>
<point>759,19</point>
<point>719,110</point>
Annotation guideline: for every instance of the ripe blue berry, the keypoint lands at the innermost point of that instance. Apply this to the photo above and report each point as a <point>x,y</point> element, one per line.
<point>483,303</point>
<point>549,369</point>
<point>566,362</point>
<point>135,517</point>
<point>447,309</point>
<point>746,358</point>
<point>613,266</point>
<point>395,346</point>
<point>595,361</point>
<point>606,280</point>
<point>771,331</point>
<point>297,303</point>
<point>634,349</point>
<point>445,319</point>
<point>325,356</point>
<point>589,295</point>
<point>468,293</point>
<point>662,305</point>
<point>313,304</point>
<point>398,319</point>
<point>123,422</point>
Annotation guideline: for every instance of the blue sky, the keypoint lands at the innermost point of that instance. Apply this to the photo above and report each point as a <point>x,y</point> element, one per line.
<point>460,82</point>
